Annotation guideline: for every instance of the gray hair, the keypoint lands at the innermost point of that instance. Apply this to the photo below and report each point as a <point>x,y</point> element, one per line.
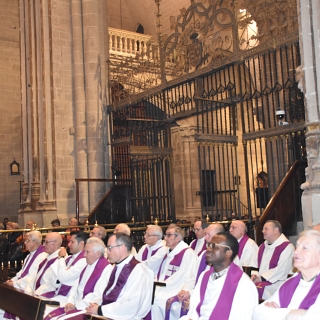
<point>102,231</point>
<point>156,230</point>
<point>177,230</point>
<point>98,245</point>
<point>35,236</point>
<point>122,238</point>
<point>315,234</point>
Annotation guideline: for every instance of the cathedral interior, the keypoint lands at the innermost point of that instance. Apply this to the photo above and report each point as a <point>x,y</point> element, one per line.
<point>160,110</point>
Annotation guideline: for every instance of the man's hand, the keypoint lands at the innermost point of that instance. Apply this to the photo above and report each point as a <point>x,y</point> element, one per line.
<point>93,308</point>
<point>69,307</point>
<point>272,304</point>
<point>256,278</point>
<point>183,295</point>
<point>296,314</point>
<point>62,252</point>
<point>9,283</point>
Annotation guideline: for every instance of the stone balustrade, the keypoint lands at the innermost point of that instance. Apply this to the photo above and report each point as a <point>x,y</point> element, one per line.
<point>127,43</point>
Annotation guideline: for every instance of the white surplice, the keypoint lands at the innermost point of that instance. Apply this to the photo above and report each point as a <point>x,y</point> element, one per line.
<point>153,262</point>
<point>199,245</point>
<point>280,273</point>
<point>249,255</point>
<point>262,312</point>
<point>181,278</point>
<point>244,301</point>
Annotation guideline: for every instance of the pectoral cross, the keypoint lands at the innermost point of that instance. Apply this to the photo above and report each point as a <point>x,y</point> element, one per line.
<point>173,270</point>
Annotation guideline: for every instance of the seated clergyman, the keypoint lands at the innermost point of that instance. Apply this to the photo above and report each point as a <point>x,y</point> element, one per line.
<point>127,293</point>
<point>299,296</point>
<point>224,292</point>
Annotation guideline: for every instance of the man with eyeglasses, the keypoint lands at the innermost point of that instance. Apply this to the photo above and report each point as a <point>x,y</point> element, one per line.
<point>180,305</point>
<point>224,292</point>
<point>199,244</point>
<point>33,240</point>
<point>41,281</point>
<point>33,244</point>
<point>177,269</point>
<point>152,253</point>
<point>127,293</point>
<point>88,286</point>
<point>124,228</point>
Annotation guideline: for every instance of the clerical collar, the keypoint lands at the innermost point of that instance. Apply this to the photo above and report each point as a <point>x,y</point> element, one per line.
<point>217,275</point>
<point>121,261</point>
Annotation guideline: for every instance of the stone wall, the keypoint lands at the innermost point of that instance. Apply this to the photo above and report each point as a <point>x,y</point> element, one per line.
<point>10,109</point>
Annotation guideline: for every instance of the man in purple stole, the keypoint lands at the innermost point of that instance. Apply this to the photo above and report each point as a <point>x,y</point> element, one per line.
<point>248,249</point>
<point>33,240</point>
<point>299,296</point>
<point>33,243</point>
<point>44,274</point>
<point>152,253</point>
<point>67,269</point>
<point>97,270</point>
<point>224,292</point>
<point>179,305</point>
<point>127,294</point>
<point>274,260</point>
<point>199,244</point>
<point>178,270</point>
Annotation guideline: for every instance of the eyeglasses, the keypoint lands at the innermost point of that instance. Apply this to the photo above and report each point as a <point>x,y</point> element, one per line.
<point>109,248</point>
<point>27,240</point>
<point>46,242</point>
<point>150,235</point>
<point>197,230</point>
<point>212,245</point>
<point>168,235</point>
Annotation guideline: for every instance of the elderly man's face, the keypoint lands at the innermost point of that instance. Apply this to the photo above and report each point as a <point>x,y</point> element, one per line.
<point>306,255</point>
<point>150,238</point>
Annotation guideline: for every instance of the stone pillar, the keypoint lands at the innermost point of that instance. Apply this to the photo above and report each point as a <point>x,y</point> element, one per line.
<point>309,33</point>
<point>94,58</point>
<point>38,191</point>
<point>81,169</point>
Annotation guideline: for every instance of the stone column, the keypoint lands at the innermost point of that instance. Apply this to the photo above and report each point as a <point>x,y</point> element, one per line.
<point>94,58</point>
<point>81,169</point>
<point>309,33</point>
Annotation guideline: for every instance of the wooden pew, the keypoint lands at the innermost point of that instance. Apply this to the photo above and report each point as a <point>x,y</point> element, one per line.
<point>23,305</point>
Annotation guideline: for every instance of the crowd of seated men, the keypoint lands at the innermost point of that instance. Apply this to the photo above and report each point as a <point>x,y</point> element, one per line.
<point>169,279</point>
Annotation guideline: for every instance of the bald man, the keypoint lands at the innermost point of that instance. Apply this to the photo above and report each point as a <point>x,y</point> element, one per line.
<point>124,228</point>
<point>43,280</point>
<point>248,249</point>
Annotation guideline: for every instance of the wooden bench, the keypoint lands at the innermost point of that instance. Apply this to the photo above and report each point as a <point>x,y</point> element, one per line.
<point>23,305</point>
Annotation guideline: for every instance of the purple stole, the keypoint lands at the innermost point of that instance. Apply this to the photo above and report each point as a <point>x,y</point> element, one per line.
<point>145,253</point>
<point>113,295</point>
<point>176,261</point>
<point>194,244</point>
<point>288,288</point>
<point>64,289</point>
<point>26,270</point>
<point>202,266</point>
<point>89,287</point>
<point>242,244</point>
<point>185,303</point>
<point>223,306</point>
<point>48,264</point>
<point>272,264</point>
